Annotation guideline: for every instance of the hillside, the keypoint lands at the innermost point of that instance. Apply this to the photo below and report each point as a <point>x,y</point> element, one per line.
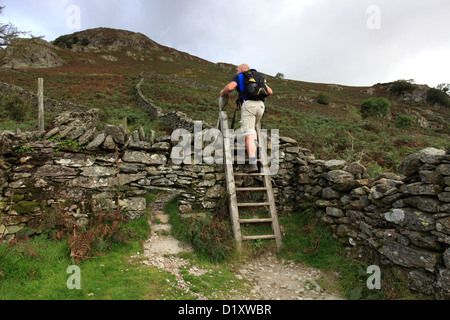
<point>99,68</point>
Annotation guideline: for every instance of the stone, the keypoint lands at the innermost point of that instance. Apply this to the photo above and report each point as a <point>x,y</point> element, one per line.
<point>443,280</point>
<point>334,212</point>
<point>98,171</point>
<point>55,171</point>
<point>444,169</point>
<point>215,192</point>
<point>144,157</point>
<point>86,137</point>
<point>334,164</point>
<point>410,218</point>
<point>420,188</point>
<point>357,169</point>
<point>427,176</point>
<point>446,257</point>
<point>339,176</point>
<point>444,196</point>
<point>409,257</point>
<point>98,140</point>
<point>75,160</point>
<point>109,143</point>
<point>329,193</point>
<point>443,225</point>
<point>288,140</point>
<point>412,163</point>
<point>421,282</point>
<point>424,203</point>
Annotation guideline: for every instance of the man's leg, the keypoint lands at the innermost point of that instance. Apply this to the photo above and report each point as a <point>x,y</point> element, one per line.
<point>251,148</point>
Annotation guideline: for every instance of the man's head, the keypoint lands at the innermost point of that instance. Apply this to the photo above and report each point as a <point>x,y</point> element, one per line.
<point>242,68</point>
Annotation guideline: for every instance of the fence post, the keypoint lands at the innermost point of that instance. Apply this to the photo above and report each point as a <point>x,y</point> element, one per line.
<point>41,104</point>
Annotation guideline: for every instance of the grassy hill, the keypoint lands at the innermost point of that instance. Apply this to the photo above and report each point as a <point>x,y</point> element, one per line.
<point>100,68</point>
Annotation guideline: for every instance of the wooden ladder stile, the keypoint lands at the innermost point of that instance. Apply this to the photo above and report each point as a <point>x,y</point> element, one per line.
<point>232,190</point>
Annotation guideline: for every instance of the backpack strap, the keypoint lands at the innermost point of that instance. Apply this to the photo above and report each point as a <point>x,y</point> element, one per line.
<point>242,84</point>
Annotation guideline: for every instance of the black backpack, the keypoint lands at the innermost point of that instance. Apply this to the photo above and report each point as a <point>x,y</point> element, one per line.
<point>252,85</point>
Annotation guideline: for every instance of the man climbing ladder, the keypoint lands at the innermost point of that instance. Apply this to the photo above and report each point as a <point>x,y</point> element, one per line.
<point>252,90</point>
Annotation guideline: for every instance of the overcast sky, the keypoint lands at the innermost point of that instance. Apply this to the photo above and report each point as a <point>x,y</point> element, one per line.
<point>347,42</point>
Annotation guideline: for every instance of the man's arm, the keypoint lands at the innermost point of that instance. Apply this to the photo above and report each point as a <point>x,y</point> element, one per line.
<point>228,89</point>
<point>269,90</point>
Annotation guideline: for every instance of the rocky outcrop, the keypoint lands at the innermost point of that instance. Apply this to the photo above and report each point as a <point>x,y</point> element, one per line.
<point>32,53</point>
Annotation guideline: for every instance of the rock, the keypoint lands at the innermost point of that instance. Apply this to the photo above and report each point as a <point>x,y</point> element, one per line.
<point>443,280</point>
<point>329,193</point>
<point>334,164</point>
<point>144,157</point>
<point>339,176</point>
<point>444,196</point>
<point>357,170</point>
<point>409,257</point>
<point>99,171</point>
<point>116,133</point>
<point>412,163</point>
<point>411,219</point>
<point>98,140</point>
<point>421,282</point>
<point>109,144</point>
<point>55,171</point>
<point>86,137</point>
<point>444,169</point>
<point>424,203</point>
<point>334,212</point>
<point>420,188</point>
<point>446,257</point>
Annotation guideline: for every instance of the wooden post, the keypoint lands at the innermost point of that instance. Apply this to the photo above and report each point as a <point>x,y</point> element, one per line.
<point>41,104</point>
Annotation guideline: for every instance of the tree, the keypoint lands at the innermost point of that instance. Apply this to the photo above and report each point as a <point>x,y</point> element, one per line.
<point>8,32</point>
<point>445,87</point>
<point>279,76</point>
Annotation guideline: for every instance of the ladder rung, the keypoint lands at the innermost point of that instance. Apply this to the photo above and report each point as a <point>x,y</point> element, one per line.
<point>269,236</point>
<point>255,220</point>
<point>252,189</point>
<point>260,204</point>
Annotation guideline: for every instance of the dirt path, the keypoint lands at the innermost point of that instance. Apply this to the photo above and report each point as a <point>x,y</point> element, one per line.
<point>269,278</point>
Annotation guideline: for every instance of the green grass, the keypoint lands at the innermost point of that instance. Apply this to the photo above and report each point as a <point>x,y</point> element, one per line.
<point>43,275</point>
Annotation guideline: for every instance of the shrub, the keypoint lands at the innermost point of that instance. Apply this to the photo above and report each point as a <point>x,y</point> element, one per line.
<point>211,237</point>
<point>400,87</point>
<point>322,98</point>
<point>15,107</point>
<point>438,96</point>
<point>375,107</point>
<point>404,122</point>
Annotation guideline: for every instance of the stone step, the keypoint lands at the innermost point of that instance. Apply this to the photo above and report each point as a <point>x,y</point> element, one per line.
<point>162,228</point>
<point>162,218</point>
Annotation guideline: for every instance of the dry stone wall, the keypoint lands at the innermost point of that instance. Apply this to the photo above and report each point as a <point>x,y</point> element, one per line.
<point>398,221</point>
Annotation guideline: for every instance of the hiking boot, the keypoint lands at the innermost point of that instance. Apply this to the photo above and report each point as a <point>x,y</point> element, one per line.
<point>251,168</point>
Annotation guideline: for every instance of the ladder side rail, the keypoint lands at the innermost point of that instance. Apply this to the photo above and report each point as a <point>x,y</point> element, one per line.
<point>268,185</point>
<point>229,174</point>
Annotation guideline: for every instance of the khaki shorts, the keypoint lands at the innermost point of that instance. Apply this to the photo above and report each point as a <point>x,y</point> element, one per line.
<point>251,114</point>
